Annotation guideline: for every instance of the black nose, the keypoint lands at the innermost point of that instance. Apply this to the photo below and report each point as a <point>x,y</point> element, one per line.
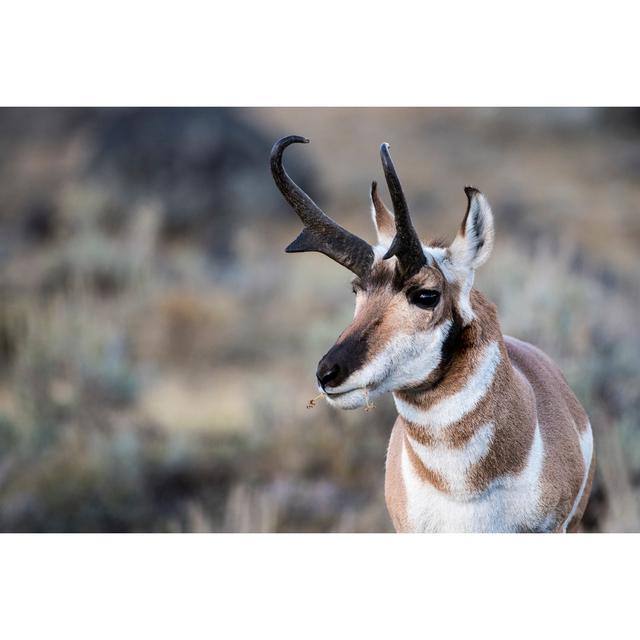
<point>342,360</point>
<point>327,373</point>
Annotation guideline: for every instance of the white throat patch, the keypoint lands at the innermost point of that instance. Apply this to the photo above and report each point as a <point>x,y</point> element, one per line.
<point>453,463</point>
<point>510,503</point>
<point>457,405</point>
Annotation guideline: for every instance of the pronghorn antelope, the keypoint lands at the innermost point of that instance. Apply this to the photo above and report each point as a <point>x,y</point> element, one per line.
<point>489,435</point>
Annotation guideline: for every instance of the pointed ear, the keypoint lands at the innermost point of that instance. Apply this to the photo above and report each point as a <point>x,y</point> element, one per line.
<point>383,219</point>
<point>474,241</point>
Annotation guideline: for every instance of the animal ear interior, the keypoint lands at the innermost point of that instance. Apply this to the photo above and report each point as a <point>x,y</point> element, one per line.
<point>382,218</point>
<point>474,241</point>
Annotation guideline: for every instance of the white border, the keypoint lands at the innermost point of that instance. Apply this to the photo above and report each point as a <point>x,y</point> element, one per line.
<point>318,586</point>
<point>285,52</point>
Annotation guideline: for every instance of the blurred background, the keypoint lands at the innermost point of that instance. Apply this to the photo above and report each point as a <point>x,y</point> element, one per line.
<point>158,347</point>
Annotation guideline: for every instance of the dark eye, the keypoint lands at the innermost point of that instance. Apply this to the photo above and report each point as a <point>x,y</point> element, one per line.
<point>425,298</point>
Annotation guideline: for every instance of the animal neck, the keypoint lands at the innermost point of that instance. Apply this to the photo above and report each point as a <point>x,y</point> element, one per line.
<point>471,410</point>
<point>472,357</point>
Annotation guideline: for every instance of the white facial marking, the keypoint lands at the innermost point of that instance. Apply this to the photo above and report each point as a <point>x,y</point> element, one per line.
<point>407,360</point>
<point>443,259</point>
<point>379,250</point>
<point>510,503</point>
<point>440,257</point>
<point>586,446</point>
<point>457,405</point>
<point>438,253</point>
<point>353,399</point>
<point>464,299</point>
<point>453,463</point>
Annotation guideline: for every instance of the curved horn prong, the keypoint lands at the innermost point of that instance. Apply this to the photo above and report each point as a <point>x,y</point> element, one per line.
<point>406,245</point>
<point>320,232</point>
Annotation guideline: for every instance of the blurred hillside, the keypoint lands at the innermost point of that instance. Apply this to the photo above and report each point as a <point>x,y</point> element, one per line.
<point>158,348</point>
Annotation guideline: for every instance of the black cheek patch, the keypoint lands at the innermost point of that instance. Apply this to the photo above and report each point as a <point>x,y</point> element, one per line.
<point>452,341</point>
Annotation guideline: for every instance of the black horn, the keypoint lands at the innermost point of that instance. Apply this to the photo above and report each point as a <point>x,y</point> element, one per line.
<point>320,232</point>
<point>406,245</point>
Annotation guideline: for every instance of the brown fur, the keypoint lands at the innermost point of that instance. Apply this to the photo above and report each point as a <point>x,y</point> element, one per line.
<point>509,403</point>
<point>425,473</point>
<point>394,491</point>
<point>560,417</point>
<point>385,223</point>
<point>575,524</point>
<point>386,306</point>
<point>527,387</point>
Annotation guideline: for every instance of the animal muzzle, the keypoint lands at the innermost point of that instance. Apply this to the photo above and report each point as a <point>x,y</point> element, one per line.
<point>343,359</point>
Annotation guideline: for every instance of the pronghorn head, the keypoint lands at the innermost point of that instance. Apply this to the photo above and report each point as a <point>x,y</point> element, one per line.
<point>412,299</point>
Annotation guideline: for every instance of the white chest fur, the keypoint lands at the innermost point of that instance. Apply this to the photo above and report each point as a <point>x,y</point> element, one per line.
<point>510,503</point>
